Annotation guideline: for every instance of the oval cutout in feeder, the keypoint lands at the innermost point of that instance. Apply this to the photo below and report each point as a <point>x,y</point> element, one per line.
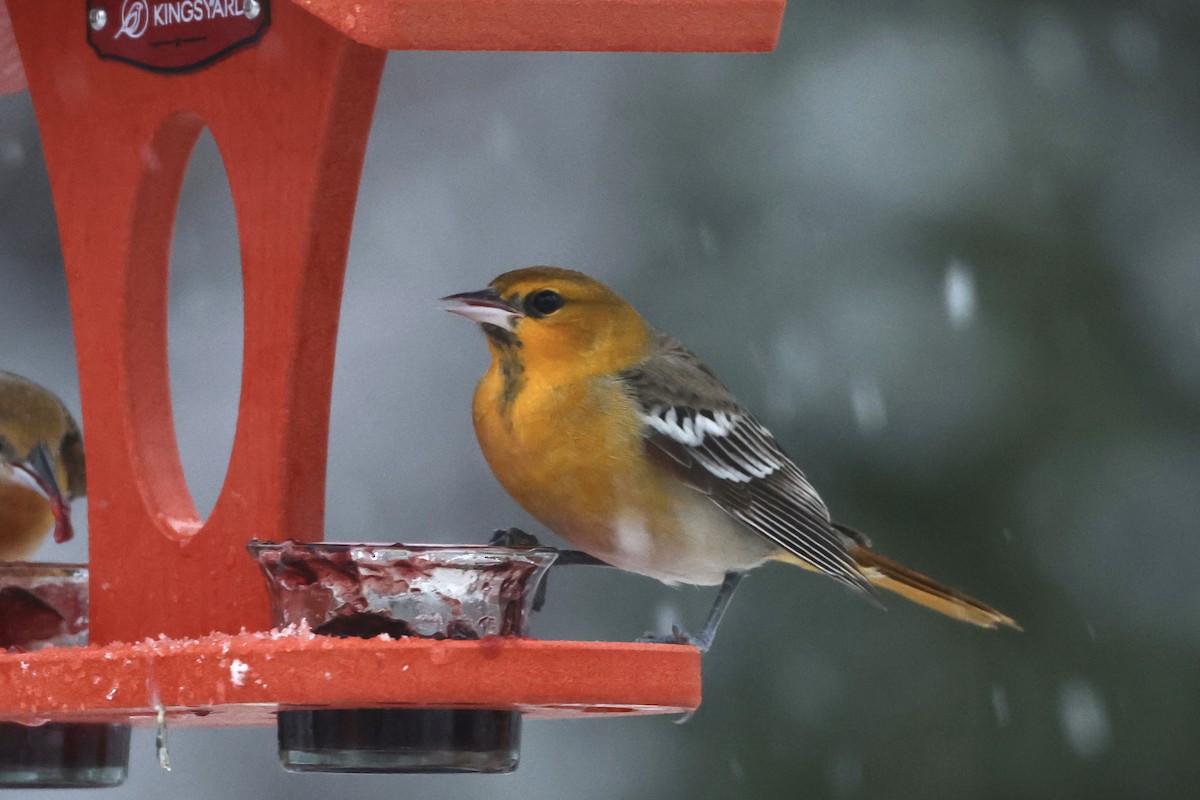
<point>204,325</point>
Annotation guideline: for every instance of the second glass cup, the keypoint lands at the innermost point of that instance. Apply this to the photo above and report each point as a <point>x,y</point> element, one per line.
<point>46,605</point>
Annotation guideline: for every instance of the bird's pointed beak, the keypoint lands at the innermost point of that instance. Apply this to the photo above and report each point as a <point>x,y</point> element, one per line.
<point>485,307</point>
<point>40,467</point>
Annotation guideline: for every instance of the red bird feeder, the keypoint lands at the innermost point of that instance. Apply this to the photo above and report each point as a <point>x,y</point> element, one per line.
<point>122,89</point>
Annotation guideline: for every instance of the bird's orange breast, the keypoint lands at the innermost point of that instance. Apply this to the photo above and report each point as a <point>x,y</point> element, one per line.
<point>569,453</point>
<point>25,516</point>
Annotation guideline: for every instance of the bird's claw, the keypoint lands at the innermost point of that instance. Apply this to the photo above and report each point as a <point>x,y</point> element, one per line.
<point>515,538</point>
<point>677,636</point>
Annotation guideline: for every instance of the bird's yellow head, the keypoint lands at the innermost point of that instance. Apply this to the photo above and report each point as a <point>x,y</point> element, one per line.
<point>556,318</point>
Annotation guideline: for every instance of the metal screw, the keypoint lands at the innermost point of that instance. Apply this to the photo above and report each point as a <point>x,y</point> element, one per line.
<point>253,9</point>
<point>97,18</point>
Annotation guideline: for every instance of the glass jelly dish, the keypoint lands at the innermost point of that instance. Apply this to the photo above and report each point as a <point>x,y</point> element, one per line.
<point>428,591</point>
<point>46,605</point>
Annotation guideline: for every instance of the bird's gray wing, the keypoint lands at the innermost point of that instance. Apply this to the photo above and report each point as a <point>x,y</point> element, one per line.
<point>695,428</point>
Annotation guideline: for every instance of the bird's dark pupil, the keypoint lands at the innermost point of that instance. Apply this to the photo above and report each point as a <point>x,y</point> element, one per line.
<point>546,302</point>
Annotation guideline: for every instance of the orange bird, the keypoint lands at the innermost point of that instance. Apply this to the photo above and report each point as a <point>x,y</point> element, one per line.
<point>620,440</point>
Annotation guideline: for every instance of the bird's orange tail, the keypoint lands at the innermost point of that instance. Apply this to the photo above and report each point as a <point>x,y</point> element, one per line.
<point>914,586</point>
<point>910,584</point>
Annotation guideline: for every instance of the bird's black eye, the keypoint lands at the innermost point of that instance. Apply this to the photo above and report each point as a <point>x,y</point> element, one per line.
<point>544,303</point>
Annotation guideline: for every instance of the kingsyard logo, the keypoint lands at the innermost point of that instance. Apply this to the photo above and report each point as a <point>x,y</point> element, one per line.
<point>138,15</point>
<point>135,18</point>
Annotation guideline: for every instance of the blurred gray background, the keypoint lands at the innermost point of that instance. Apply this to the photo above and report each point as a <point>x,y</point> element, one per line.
<point>948,251</point>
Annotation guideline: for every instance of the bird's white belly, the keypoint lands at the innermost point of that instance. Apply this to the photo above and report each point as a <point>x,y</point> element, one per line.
<point>701,543</point>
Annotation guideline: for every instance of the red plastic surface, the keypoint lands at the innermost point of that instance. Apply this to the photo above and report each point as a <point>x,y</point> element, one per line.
<point>583,25</point>
<point>290,115</point>
<point>625,25</point>
<point>244,679</point>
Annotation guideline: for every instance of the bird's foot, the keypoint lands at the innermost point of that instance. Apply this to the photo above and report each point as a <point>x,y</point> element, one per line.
<point>515,538</point>
<point>677,636</point>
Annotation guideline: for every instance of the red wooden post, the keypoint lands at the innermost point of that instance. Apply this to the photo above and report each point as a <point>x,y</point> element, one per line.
<point>290,114</point>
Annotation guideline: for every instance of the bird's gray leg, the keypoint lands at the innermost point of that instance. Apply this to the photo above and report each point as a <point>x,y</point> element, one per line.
<point>519,539</point>
<point>720,605</point>
<point>705,639</point>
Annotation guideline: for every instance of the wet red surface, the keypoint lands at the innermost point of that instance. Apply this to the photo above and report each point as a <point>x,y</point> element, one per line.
<point>243,679</point>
